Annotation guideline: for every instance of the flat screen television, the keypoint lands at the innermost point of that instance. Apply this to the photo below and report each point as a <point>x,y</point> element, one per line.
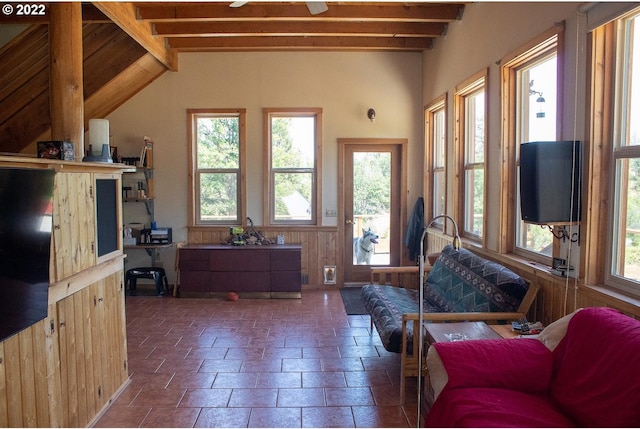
<point>551,182</point>
<point>26,218</point>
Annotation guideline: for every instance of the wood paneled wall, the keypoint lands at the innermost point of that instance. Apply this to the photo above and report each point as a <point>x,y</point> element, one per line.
<point>63,370</point>
<point>320,245</point>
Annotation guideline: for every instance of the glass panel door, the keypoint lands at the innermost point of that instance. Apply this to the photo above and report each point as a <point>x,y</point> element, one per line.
<point>371,191</point>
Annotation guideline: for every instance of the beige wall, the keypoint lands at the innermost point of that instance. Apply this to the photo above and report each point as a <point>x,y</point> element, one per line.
<point>344,85</point>
<point>487,33</point>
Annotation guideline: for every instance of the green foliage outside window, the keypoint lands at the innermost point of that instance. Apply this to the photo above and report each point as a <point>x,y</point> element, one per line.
<point>218,162</point>
<point>371,183</point>
<point>292,163</point>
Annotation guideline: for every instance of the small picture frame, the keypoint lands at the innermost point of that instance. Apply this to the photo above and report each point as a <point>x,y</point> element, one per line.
<point>330,274</point>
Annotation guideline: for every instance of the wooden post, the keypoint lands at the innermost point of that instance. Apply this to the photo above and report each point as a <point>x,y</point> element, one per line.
<point>65,75</point>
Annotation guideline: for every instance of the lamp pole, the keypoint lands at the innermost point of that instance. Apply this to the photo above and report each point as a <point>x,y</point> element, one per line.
<point>456,245</point>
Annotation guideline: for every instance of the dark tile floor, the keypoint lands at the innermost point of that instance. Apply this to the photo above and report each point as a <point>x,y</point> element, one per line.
<point>257,363</point>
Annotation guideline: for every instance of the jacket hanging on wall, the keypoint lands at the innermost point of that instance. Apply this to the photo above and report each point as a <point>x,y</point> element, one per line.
<point>413,233</point>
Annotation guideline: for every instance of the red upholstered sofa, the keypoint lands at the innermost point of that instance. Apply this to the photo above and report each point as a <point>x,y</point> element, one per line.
<point>583,370</point>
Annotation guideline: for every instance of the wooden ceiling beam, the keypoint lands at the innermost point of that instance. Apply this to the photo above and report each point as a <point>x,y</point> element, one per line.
<point>215,44</point>
<point>124,15</point>
<point>370,11</point>
<point>388,29</point>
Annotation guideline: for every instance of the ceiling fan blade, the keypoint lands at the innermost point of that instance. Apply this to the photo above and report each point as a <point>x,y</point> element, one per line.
<point>317,7</point>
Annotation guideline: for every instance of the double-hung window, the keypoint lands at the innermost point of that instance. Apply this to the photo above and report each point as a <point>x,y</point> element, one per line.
<point>435,157</point>
<point>293,142</point>
<point>217,143</point>
<point>529,88</point>
<point>470,112</point>
<point>624,216</point>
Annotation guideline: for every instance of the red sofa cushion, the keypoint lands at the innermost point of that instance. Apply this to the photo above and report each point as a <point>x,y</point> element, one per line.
<point>519,364</point>
<point>597,373</point>
<point>494,407</point>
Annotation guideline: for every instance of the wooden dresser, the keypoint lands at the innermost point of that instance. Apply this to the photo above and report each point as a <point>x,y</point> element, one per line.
<point>250,271</point>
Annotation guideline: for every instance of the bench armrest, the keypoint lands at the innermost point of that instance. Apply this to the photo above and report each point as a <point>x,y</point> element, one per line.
<point>487,317</point>
<point>407,277</point>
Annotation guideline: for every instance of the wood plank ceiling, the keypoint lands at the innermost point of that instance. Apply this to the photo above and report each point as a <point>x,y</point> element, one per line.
<point>209,27</point>
<point>128,45</point>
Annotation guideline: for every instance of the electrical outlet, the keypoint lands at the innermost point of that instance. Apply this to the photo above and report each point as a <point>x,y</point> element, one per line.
<point>331,212</point>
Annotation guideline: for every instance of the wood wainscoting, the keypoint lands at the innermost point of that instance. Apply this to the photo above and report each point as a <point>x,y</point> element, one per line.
<point>320,247</point>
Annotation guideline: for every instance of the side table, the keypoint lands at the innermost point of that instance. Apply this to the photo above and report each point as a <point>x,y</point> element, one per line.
<point>505,331</point>
<point>458,331</point>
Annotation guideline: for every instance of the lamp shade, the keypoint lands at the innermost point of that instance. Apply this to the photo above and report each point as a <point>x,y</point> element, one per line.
<point>98,135</point>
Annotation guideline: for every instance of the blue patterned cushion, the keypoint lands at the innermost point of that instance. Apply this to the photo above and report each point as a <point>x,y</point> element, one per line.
<point>461,281</point>
<point>386,305</point>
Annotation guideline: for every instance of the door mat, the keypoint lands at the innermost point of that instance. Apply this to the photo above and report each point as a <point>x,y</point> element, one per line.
<point>351,299</point>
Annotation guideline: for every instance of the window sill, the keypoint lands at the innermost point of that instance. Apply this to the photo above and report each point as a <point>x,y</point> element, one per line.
<point>624,302</point>
<point>600,294</point>
<point>513,260</point>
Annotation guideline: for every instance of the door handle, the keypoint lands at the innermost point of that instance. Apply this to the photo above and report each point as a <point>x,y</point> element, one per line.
<point>349,221</point>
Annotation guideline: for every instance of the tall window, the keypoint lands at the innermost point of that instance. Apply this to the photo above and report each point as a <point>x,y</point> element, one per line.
<point>471,137</point>
<point>536,110</point>
<point>293,162</point>
<point>435,156</point>
<point>530,88</point>
<point>217,162</point>
<point>624,261</point>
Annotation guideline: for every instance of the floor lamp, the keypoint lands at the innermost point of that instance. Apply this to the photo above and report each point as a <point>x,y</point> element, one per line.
<point>456,245</point>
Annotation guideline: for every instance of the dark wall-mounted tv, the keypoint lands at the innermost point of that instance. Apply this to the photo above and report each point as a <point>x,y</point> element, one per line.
<point>26,218</point>
<point>551,182</point>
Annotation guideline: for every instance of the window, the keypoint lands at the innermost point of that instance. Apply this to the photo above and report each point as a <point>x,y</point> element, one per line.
<point>293,163</point>
<point>217,162</point>
<point>435,157</point>
<point>536,110</point>
<point>624,260</point>
<point>530,88</point>
<point>470,115</point>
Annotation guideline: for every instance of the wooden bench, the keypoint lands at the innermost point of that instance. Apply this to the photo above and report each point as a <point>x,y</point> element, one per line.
<point>407,278</point>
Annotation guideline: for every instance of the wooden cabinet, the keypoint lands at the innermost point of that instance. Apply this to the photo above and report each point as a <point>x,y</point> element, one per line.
<point>74,229</point>
<point>93,357</point>
<point>63,370</point>
<point>82,235</point>
<point>260,271</point>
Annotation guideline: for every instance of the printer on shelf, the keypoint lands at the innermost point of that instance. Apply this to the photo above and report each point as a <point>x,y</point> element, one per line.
<point>160,236</point>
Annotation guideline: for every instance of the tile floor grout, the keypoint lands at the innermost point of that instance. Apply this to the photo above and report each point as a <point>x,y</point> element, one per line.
<point>256,363</point>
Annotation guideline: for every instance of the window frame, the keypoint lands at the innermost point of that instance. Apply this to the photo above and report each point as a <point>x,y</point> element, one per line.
<point>608,113</point>
<point>194,188</point>
<point>470,87</point>
<point>269,171</point>
<point>551,40</point>
<point>436,107</point>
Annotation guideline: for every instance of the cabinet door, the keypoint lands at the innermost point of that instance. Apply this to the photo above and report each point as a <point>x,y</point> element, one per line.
<point>73,224</point>
<point>93,353</point>
<point>285,270</point>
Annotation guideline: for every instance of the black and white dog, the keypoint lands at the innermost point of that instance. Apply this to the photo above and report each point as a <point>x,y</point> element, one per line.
<point>363,246</point>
